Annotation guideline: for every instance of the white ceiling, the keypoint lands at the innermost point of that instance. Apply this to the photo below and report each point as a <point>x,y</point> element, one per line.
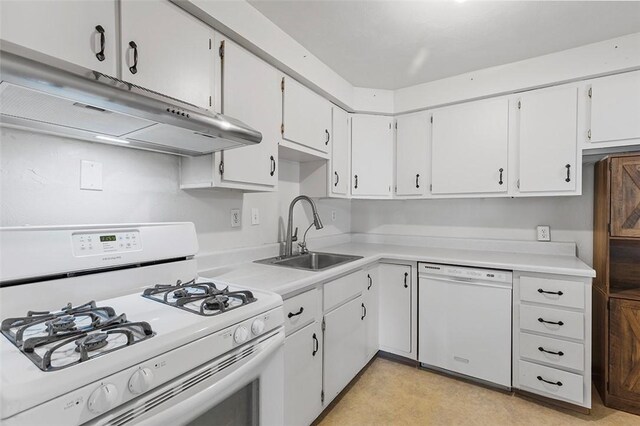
<point>393,44</point>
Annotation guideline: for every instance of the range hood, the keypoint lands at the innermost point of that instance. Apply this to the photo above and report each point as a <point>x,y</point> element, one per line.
<point>42,93</point>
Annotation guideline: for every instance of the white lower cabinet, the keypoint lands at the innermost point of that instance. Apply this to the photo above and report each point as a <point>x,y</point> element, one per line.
<point>371,303</point>
<point>303,375</point>
<point>396,322</point>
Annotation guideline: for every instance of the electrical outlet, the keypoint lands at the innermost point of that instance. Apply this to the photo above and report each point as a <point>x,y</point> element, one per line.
<point>91,175</point>
<point>333,215</point>
<point>544,233</point>
<point>255,216</point>
<point>235,218</point>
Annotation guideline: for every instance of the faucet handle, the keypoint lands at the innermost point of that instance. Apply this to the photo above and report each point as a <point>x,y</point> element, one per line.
<point>294,237</point>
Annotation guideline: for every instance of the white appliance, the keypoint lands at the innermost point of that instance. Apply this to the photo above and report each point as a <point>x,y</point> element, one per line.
<point>158,345</point>
<point>464,321</point>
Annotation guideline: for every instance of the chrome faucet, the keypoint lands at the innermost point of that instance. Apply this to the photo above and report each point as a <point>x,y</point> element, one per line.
<point>288,248</point>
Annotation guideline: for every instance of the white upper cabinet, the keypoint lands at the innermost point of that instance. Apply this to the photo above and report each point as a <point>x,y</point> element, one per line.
<point>371,155</point>
<point>306,116</point>
<point>251,93</point>
<point>340,150</point>
<point>166,50</point>
<point>412,139</point>
<point>81,32</point>
<point>469,148</point>
<point>615,108</point>
<point>548,140</point>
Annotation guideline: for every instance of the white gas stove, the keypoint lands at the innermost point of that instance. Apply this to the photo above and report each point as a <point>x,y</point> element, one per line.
<point>110,325</point>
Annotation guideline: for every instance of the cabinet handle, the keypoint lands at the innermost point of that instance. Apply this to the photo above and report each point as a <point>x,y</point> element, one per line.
<point>417,181</point>
<point>550,322</point>
<point>316,345</point>
<point>326,142</point>
<point>273,165</point>
<point>568,179</point>
<point>370,281</point>
<point>559,293</point>
<point>559,353</point>
<point>364,310</point>
<point>406,274</point>
<point>356,185</point>
<point>134,67</point>
<point>337,178</point>
<point>100,54</point>
<point>551,383</point>
<point>500,182</point>
<point>291,314</point>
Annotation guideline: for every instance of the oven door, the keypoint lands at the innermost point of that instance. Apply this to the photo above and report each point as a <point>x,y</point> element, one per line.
<point>242,387</point>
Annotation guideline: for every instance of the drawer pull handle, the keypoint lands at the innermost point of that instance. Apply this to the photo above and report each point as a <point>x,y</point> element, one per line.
<point>559,353</point>
<point>100,54</point>
<point>406,274</point>
<point>558,383</point>
<point>370,281</point>
<point>364,314</point>
<point>559,293</point>
<point>291,314</point>
<point>316,345</point>
<point>134,68</point>
<point>550,322</point>
<point>500,182</point>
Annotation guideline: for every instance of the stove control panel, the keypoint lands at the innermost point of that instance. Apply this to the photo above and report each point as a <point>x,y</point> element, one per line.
<point>88,244</point>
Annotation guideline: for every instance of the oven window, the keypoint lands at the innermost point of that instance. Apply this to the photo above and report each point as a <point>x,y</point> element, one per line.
<point>241,408</point>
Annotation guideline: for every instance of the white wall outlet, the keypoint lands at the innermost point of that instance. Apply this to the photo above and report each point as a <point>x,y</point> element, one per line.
<point>333,215</point>
<point>255,216</point>
<point>544,233</point>
<point>235,218</point>
<point>91,175</point>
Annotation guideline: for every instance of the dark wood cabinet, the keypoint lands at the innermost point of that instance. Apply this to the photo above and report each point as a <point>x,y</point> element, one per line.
<point>616,290</point>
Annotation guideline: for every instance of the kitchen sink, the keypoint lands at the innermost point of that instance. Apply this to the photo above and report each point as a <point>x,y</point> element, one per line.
<point>312,261</point>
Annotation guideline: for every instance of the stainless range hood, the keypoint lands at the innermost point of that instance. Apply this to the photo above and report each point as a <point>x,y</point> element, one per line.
<point>42,93</point>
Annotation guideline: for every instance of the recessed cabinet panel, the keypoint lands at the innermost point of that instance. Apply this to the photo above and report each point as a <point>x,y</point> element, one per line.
<point>395,307</point>
<point>341,148</point>
<point>166,50</point>
<point>81,32</point>
<point>625,196</point>
<point>372,154</point>
<point>548,140</point>
<point>615,108</point>
<point>469,145</point>
<point>412,137</point>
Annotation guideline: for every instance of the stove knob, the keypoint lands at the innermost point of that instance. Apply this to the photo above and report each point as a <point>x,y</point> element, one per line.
<point>103,399</point>
<point>140,381</point>
<point>257,327</point>
<point>241,335</point>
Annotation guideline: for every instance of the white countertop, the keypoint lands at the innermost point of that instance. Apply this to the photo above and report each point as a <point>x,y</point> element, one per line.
<point>288,281</point>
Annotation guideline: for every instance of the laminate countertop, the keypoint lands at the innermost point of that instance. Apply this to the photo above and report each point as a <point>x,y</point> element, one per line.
<point>287,281</point>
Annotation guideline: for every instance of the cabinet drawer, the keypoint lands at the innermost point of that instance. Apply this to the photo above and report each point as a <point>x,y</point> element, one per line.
<point>300,310</point>
<point>564,385</point>
<point>569,324</point>
<point>338,291</point>
<point>538,348</point>
<point>552,292</point>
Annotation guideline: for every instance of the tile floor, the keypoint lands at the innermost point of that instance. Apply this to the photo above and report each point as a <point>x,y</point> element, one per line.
<point>391,393</point>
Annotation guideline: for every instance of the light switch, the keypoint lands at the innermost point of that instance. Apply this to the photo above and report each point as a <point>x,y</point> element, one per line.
<point>255,216</point>
<point>91,175</point>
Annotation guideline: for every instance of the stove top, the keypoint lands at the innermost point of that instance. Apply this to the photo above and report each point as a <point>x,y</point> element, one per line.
<point>199,297</point>
<point>56,340</point>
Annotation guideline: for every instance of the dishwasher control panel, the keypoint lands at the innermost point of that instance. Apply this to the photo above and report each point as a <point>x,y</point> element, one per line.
<point>465,273</point>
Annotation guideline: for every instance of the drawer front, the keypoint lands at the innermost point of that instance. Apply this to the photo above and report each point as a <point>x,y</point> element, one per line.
<point>300,310</point>
<point>536,318</point>
<point>553,351</point>
<point>552,292</point>
<point>564,385</point>
<point>342,289</point>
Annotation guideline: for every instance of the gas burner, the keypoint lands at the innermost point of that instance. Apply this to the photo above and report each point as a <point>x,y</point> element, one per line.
<point>61,324</point>
<point>92,342</point>
<point>216,303</point>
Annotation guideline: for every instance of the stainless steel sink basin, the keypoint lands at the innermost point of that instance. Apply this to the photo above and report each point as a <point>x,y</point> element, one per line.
<point>312,261</point>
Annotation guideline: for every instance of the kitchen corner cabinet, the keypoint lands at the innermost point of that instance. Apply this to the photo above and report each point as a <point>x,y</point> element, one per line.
<point>340,153</point>
<point>396,322</point>
<point>413,134</point>
<point>469,148</point>
<point>306,116</point>
<point>166,50</point>
<point>80,32</point>
<point>547,141</point>
<point>371,156</point>
<point>370,296</point>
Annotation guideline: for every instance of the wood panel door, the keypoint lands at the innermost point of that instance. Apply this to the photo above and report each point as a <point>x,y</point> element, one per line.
<point>624,349</point>
<point>625,196</point>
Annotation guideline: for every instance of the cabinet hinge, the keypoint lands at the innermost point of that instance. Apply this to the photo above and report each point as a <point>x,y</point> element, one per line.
<point>221,168</point>
<point>518,183</point>
<point>590,92</point>
<point>589,134</point>
<point>282,129</point>
<point>432,119</point>
<point>324,325</point>
<point>210,101</point>
<point>389,126</point>
<point>322,396</point>
<point>519,104</point>
<point>431,187</point>
<point>396,125</point>
<point>396,189</point>
<point>282,85</point>
<point>221,49</point>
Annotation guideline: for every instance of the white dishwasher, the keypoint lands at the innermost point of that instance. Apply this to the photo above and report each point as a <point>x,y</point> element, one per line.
<point>464,321</point>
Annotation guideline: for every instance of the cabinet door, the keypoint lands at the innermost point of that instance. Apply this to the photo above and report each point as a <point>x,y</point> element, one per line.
<point>548,140</point>
<point>250,93</point>
<point>615,107</point>
<point>625,196</point>
<point>370,296</point>
<point>344,346</point>
<point>624,349</point>
<point>412,136</point>
<point>469,148</point>
<point>173,50</point>
<point>306,116</point>
<point>340,149</point>
<point>303,375</point>
<point>395,307</point>
<point>70,30</point>
<point>371,155</point>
